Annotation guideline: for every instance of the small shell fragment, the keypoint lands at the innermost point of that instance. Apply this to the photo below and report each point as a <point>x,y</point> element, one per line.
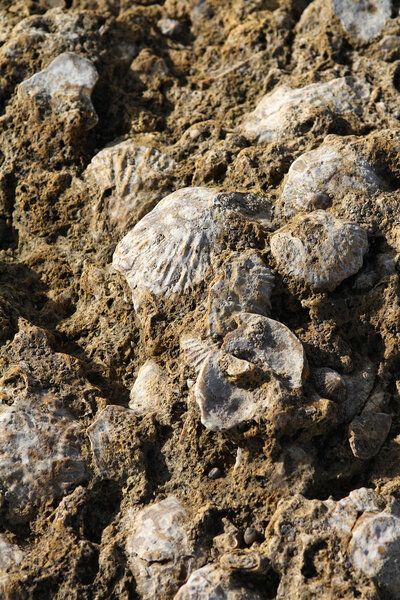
<point>363,19</point>
<point>367,433</point>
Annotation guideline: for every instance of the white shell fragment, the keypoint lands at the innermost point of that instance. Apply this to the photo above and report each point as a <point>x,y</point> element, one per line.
<point>213,583</point>
<point>246,286</point>
<point>319,250</point>
<point>158,548</point>
<point>149,390</point>
<point>228,385</point>
<point>363,19</point>
<point>344,513</point>
<point>68,78</point>
<point>279,112</point>
<point>368,432</point>
<point>39,456</point>
<point>170,250</point>
<point>129,175</point>
<point>375,550</point>
<point>318,177</point>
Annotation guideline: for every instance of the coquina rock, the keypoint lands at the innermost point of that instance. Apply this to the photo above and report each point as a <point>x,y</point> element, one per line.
<point>11,556</point>
<point>319,250</point>
<point>280,112</point>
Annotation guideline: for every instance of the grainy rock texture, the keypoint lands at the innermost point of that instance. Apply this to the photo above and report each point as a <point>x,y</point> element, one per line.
<point>199,300</point>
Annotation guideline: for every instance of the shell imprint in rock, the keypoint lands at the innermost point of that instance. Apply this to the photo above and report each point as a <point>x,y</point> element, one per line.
<point>246,286</point>
<point>196,351</point>
<point>329,384</point>
<point>39,456</point>
<point>131,173</point>
<point>278,113</point>
<point>322,175</point>
<point>364,19</point>
<point>319,250</point>
<point>68,78</point>
<point>368,432</point>
<point>375,550</point>
<point>158,548</point>
<point>226,388</point>
<point>170,249</point>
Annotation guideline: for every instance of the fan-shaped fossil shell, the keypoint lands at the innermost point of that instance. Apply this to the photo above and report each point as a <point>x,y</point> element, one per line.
<point>364,19</point>
<point>158,547</point>
<point>39,455</point>
<point>278,113</point>
<point>246,286</point>
<point>129,175</point>
<point>329,384</point>
<point>196,350</point>
<point>327,173</point>
<point>319,250</point>
<point>67,78</point>
<point>169,251</point>
<point>367,433</point>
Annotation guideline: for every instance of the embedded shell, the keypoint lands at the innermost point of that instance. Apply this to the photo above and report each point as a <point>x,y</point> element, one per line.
<point>278,113</point>
<point>170,250</point>
<point>329,384</point>
<point>363,19</point>
<point>368,432</point>
<point>246,286</point>
<point>325,174</point>
<point>319,250</point>
<point>68,78</point>
<point>39,455</point>
<point>128,174</point>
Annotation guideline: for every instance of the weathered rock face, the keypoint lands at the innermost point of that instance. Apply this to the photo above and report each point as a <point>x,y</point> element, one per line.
<point>199,300</point>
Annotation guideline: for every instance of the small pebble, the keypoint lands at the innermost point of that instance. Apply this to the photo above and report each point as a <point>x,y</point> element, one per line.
<point>215,473</point>
<point>251,535</point>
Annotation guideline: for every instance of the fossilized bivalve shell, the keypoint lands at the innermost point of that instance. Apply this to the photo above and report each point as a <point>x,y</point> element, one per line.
<point>68,78</point>
<point>367,433</point>
<point>279,112</point>
<point>245,286</point>
<point>324,174</point>
<point>39,456</point>
<point>364,19</point>
<point>150,389</point>
<point>196,350</point>
<point>344,513</point>
<point>375,550</point>
<point>170,249</point>
<point>329,384</point>
<point>129,174</point>
<point>319,250</point>
<point>227,388</point>
<point>158,548</point>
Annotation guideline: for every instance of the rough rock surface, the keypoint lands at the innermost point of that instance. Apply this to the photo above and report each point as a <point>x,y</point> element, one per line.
<point>214,412</point>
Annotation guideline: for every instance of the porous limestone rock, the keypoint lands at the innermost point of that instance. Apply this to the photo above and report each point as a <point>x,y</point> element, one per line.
<point>281,111</point>
<point>319,250</point>
<point>363,19</point>
<point>170,250</point>
<point>10,557</point>
<point>127,176</point>
<point>66,83</point>
<point>319,177</point>
<point>158,547</point>
<point>246,285</point>
<point>230,384</point>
